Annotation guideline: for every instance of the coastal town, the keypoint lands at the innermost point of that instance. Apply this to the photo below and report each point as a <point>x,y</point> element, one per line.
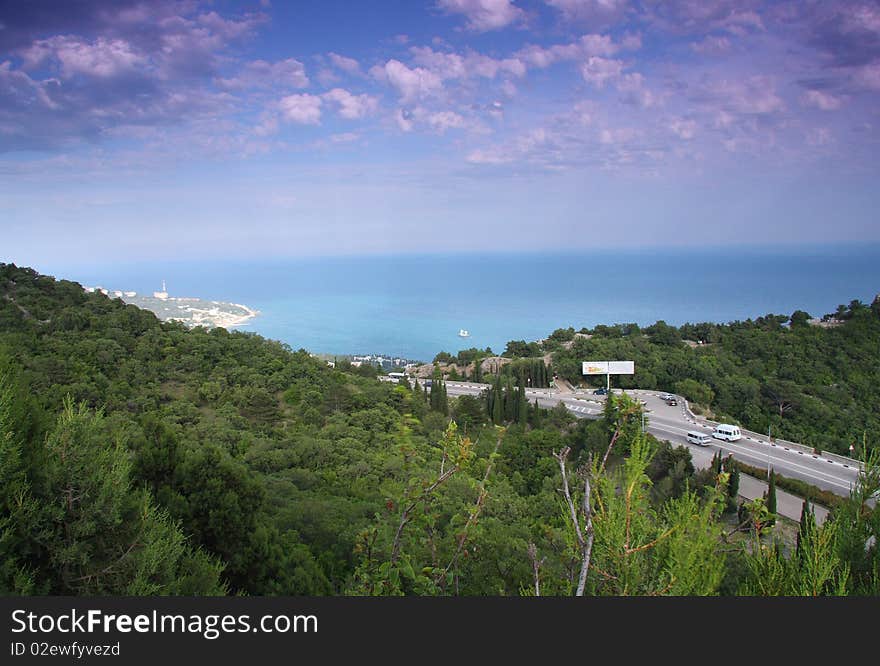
<point>188,310</point>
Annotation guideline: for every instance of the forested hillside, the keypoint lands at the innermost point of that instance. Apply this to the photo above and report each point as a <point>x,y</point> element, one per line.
<point>138,457</point>
<point>816,384</point>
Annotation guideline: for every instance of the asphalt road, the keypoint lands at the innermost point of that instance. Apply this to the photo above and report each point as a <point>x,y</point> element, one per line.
<point>673,423</point>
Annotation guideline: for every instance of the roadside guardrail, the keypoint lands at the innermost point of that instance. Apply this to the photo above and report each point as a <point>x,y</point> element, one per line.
<point>784,443</point>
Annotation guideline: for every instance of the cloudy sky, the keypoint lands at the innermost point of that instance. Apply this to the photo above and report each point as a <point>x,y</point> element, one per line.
<point>188,129</point>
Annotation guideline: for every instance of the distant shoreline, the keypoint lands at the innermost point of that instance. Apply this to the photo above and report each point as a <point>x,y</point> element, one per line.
<point>243,319</point>
<point>190,311</point>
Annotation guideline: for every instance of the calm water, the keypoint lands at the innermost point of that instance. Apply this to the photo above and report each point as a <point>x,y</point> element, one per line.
<point>415,306</point>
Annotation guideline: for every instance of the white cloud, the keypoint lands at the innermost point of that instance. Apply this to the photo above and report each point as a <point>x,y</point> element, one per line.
<point>711,46</point>
<point>267,126</point>
<point>819,136</point>
<point>443,120</point>
<point>683,128</point>
<point>492,156</point>
<point>348,65</point>
<point>821,100</point>
<point>484,15</point>
<point>633,89</point>
<point>754,95</point>
<point>303,109</point>
<point>455,66</point>
<point>593,11</point>
<point>588,45</point>
<point>868,76</point>
<point>609,136</point>
<point>599,71</point>
<point>102,58</point>
<point>288,73</point>
<point>412,84</point>
<point>351,106</point>
<point>344,137</point>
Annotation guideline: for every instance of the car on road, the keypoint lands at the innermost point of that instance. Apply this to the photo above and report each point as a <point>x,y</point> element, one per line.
<point>600,391</point>
<point>672,402</point>
<point>666,396</point>
<point>698,438</point>
<point>728,432</point>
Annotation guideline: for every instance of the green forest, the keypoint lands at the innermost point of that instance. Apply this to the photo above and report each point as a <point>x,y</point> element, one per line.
<point>144,458</point>
<point>818,385</point>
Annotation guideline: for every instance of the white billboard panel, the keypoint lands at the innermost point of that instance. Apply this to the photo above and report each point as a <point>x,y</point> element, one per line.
<point>608,368</point>
<point>621,367</point>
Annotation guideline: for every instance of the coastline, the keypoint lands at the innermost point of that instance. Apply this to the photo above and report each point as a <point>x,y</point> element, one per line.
<point>241,320</point>
<point>188,310</point>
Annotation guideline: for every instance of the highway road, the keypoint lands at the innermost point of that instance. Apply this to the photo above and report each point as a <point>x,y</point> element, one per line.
<point>672,424</point>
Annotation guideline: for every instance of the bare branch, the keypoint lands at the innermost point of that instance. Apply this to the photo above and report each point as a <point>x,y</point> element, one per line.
<point>585,543</point>
<point>536,567</point>
<point>614,438</point>
<point>406,514</point>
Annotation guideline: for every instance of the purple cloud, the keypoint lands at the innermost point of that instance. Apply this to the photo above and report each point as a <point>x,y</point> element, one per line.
<point>111,66</point>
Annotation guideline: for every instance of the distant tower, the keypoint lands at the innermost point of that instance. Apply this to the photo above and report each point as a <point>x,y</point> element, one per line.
<point>161,295</point>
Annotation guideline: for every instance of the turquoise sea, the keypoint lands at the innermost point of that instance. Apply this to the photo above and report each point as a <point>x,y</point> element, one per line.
<point>414,306</point>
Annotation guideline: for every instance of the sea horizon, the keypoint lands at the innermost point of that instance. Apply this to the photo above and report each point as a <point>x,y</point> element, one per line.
<point>413,305</point>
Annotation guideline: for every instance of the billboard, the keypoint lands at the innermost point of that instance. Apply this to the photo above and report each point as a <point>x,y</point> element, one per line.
<point>621,367</point>
<point>595,368</point>
<point>608,368</point>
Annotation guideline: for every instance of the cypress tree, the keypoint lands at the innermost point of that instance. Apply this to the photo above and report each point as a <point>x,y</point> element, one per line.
<point>522,405</point>
<point>771,498</point>
<point>497,403</point>
<point>716,463</point>
<point>733,484</point>
<point>807,523</point>
<point>509,401</point>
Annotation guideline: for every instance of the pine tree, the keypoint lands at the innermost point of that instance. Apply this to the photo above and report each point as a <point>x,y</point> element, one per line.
<point>104,536</point>
<point>18,510</point>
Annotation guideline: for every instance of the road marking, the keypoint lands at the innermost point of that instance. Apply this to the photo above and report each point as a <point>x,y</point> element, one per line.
<point>747,453</point>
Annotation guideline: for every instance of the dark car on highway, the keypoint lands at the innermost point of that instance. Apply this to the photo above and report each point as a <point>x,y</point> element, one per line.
<point>600,391</point>
<point>672,402</point>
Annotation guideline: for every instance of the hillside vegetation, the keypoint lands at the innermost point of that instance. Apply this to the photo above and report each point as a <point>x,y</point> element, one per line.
<point>819,385</point>
<point>140,457</point>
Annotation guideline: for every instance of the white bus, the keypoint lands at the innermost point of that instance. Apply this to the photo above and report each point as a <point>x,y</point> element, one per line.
<point>727,432</point>
<point>700,438</point>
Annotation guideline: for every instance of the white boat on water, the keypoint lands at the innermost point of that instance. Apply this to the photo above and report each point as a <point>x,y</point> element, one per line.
<point>463,333</point>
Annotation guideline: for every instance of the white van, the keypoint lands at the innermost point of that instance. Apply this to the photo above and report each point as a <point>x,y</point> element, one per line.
<point>728,432</point>
<point>699,438</point>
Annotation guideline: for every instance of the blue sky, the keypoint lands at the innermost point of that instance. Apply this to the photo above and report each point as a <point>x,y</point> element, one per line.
<point>135,131</point>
